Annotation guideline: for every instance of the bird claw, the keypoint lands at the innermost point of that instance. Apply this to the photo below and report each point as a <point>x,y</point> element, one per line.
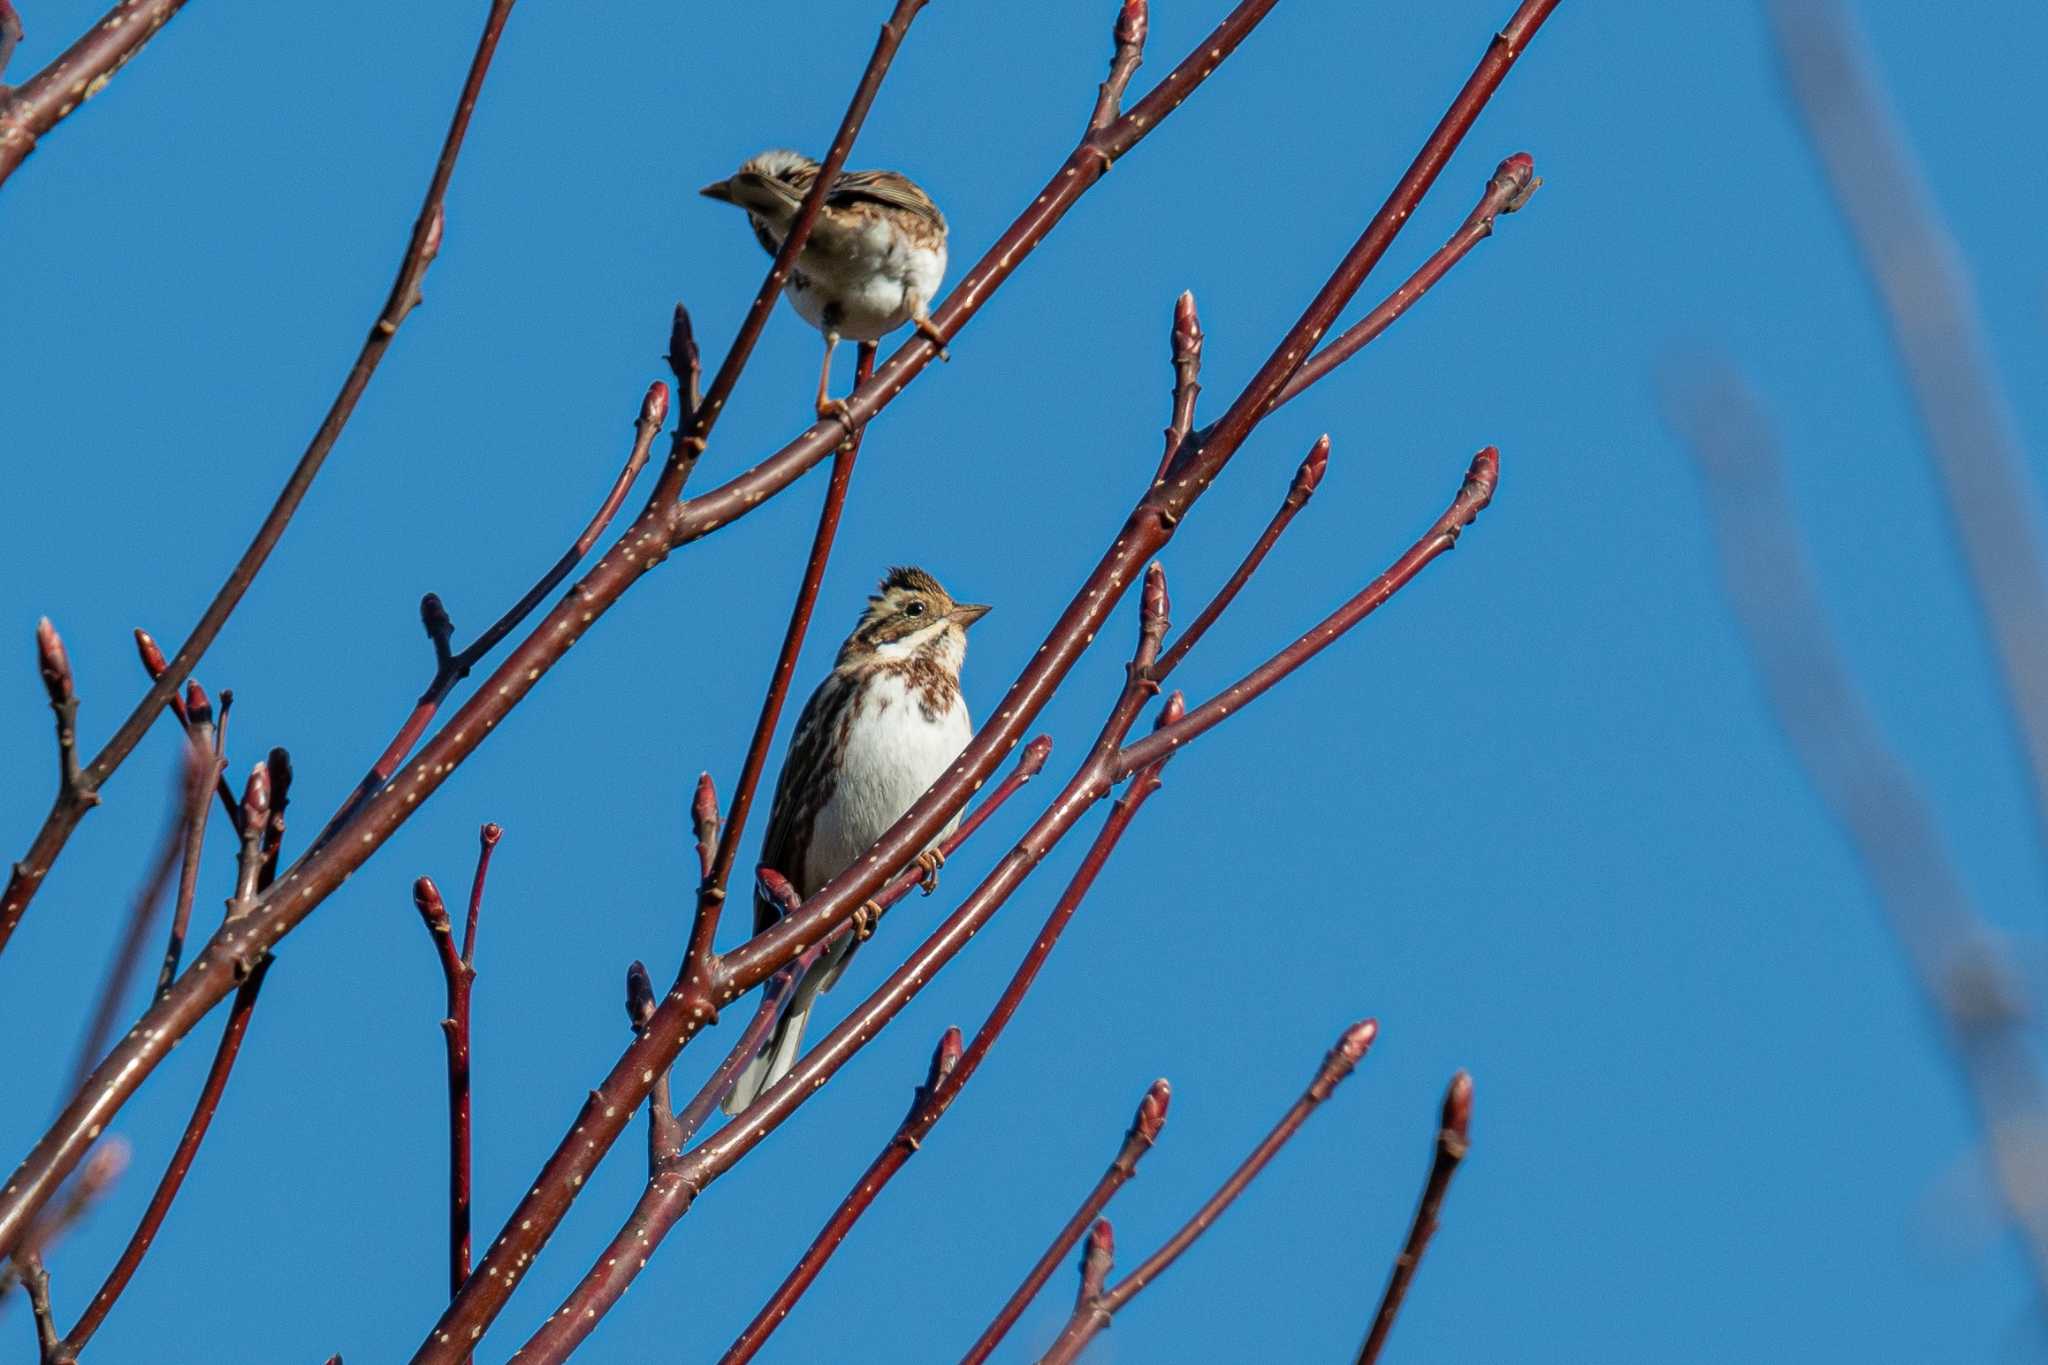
<point>931,860</point>
<point>864,921</point>
<point>836,409</point>
<point>931,333</point>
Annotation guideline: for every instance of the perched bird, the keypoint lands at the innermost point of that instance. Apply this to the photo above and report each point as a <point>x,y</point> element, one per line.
<point>873,260</point>
<point>878,731</point>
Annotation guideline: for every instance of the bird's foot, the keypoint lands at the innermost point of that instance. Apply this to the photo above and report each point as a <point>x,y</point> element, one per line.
<point>864,921</point>
<point>931,860</point>
<point>836,409</point>
<point>937,338</point>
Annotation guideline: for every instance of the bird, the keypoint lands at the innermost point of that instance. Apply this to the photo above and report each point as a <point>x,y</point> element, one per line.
<point>873,261</point>
<point>877,732</point>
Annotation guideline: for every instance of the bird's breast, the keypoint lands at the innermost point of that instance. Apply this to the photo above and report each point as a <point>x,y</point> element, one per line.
<point>896,746</point>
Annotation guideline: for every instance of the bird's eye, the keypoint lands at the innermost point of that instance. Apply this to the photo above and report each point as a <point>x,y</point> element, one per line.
<point>914,609</point>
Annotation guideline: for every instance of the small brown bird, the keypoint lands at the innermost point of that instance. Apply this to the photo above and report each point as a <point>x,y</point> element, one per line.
<point>879,730</point>
<point>873,260</point>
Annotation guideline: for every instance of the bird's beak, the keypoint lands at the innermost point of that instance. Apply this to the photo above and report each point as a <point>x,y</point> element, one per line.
<point>721,190</point>
<point>965,614</point>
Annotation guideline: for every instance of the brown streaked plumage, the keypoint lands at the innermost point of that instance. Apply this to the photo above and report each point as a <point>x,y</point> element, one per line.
<point>879,730</point>
<point>874,258</point>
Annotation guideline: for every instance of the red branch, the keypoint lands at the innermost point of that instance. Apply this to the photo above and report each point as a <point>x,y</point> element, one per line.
<point>663,528</point>
<point>1098,1305</point>
<point>458,974</point>
<point>1144,1131</point>
<point>182,1157</point>
<point>71,805</point>
<point>1452,1142</point>
<point>40,103</point>
<point>903,1145</point>
<point>947,1083</point>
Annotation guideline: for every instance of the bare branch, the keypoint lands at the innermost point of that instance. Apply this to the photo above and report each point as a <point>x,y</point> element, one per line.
<point>925,1109</point>
<point>664,1135</point>
<point>1975,995</point>
<point>1098,1305</point>
<point>1452,1142</point>
<point>40,103</point>
<point>28,874</point>
<point>1930,304</point>
<point>182,1157</point>
<point>1144,1132</point>
<point>457,975</point>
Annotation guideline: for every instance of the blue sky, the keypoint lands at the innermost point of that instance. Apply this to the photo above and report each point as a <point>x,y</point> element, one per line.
<point>1533,816</point>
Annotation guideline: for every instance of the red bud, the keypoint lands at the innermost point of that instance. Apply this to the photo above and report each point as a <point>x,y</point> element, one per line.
<point>153,660</point>
<point>1153,605</point>
<point>1035,754</point>
<point>427,898</point>
<point>1517,178</point>
<point>945,1057</point>
<point>1131,24</point>
<point>1187,329</point>
<point>256,798</point>
<point>490,834</point>
<point>639,995</point>
<point>1152,1111</point>
<point>1310,475</point>
<point>1175,708</point>
<point>654,407</point>
<point>54,663</point>
<point>777,889</point>
<point>1457,1116</point>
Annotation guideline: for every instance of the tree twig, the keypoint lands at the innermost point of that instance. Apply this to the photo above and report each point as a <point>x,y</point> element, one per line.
<point>1144,1132</point>
<point>425,244</point>
<point>1453,1139</point>
<point>1098,1304</point>
<point>44,100</point>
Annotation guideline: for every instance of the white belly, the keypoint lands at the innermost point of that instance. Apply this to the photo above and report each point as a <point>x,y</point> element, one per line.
<point>893,754</point>
<point>871,280</point>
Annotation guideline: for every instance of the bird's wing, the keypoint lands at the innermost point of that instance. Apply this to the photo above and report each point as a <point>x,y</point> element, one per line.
<point>886,187</point>
<point>805,785</point>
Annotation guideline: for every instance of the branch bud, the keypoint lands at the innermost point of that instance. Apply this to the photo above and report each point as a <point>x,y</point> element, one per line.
<point>1151,1117</point>
<point>103,1168</point>
<point>682,348</point>
<point>153,661</point>
<point>639,995</point>
<point>1131,24</point>
<point>1350,1049</point>
<point>430,245</point>
<point>1154,605</point>
<point>426,897</point>
<point>1098,1257</point>
<point>1187,331</point>
<point>704,820</point>
<point>1035,754</point>
<point>434,617</point>
<point>198,706</point>
<point>1457,1115</point>
<point>777,889</point>
<point>654,407</point>
<point>55,664</point>
<point>1170,714</point>
<point>256,798</point>
<point>945,1057</point>
<point>1310,475</point>
<point>1515,179</point>
<point>489,835</point>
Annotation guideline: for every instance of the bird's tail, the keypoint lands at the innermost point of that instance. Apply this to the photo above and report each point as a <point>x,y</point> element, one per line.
<point>782,1047</point>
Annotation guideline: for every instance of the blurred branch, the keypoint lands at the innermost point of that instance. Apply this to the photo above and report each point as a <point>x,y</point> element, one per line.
<point>1452,1142</point>
<point>71,805</point>
<point>1099,1303</point>
<point>1957,962</point>
<point>174,1174</point>
<point>1930,305</point>
<point>156,665</point>
<point>1144,1132</point>
<point>44,100</point>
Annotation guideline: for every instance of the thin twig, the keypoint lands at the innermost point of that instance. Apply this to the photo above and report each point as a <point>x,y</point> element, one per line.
<point>188,794</point>
<point>451,665</point>
<point>902,1145</point>
<point>33,108</point>
<point>1302,487</point>
<point>1514,180</point>
<point>1187,371</point>
<point>1096,1308</point>
<point>209,740</point>
<point>1128,54</point>
<point>664,1137</point>
<point>1931,309</point>
<point>1144,1131</point>
<point>1976,997</point>
<point>1453,1139</point>
<point>35,1281</point>
<point>156,665</point>
<point>180,1164</point>
<point>457,976</point>
<point>28,874</point>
